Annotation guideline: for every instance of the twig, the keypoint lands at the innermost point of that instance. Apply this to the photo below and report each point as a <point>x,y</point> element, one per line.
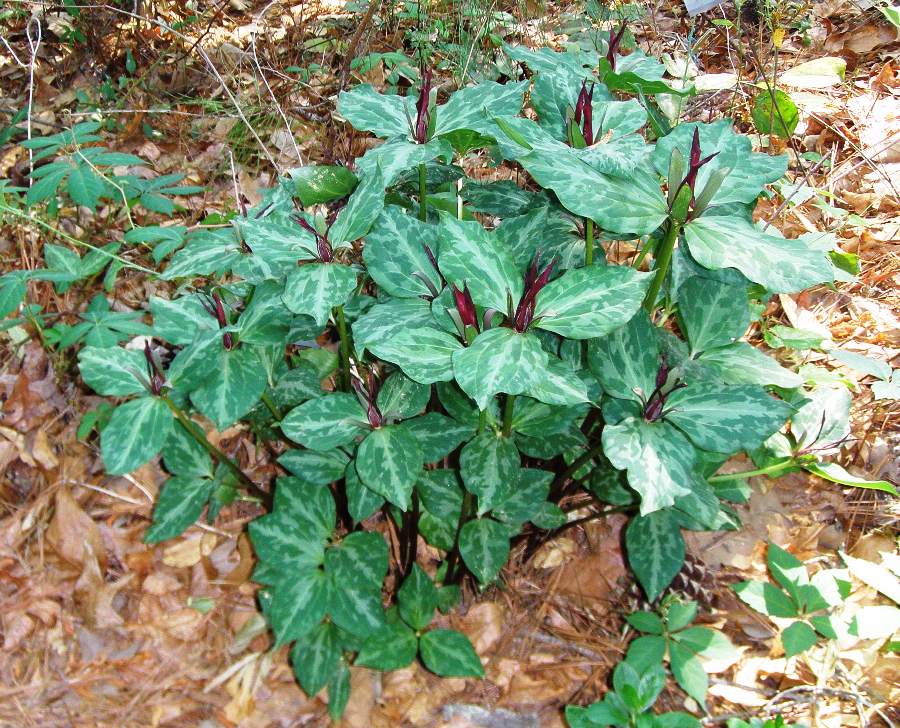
<point>265,81</point>
<point>354,42</point>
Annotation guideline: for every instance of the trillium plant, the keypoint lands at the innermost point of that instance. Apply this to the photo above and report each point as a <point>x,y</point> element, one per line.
<point>448,362</point>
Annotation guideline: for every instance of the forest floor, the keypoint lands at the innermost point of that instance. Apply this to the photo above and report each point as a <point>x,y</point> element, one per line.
<point>100,629</point>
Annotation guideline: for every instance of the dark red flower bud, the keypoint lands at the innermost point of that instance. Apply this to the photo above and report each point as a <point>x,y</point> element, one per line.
<point>533,285</point>
<point>157,380</point>
<point>579,105</point>
<point>587,128</point>
<point>662,373</point>
<point>465,306</point>
<point>615,39</point>
<point>323,247</point>
<point>653,410</point>
<point>695,162</point>
<point>422,115</point>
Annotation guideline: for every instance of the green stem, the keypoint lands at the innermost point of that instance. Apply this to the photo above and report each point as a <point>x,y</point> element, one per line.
<point>643,254</point>
<point>663,259</point>
<point>768,470</point>
<point>453,573</point>
<point>271,406</point>
<point>345,349</point>
<point>508,408</point>
<point>579,463</point>
<point>588,241</point>
<point>217,455</point>
<point>423,210</point>
<point>482,421</point>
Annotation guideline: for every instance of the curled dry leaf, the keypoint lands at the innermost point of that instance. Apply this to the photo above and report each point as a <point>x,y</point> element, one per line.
<point>72,532</point>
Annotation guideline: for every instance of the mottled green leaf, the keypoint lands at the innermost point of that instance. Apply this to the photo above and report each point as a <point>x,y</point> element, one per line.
<point>449,654</point>
<point>499,360</point>
<point>234,383</point>
<point>318,468</point>
<point>326,422</point>
<point>389,461</point>
<point>484,547</point>
<point>316,288</point>
<point>658,458</point>
<point>315,184</point>
<point>315,656</point>
<point>298,605</point>
<point>780,264</point>
<point>395,250</point>
<point>112,371</point>
<point>136,431</point>
<point>384,115</point>
<point>417,599</point>
<point>425,354</point>
<point>742,363</point>
<point>361,556</point>
<point>489,466</point>
<point>178,506</point>
<point>627,359</point>
<point>470,255</point>
<point>585,303</point>
<point>438,435</point>
<point>655,550</point>
<point>391,648</point>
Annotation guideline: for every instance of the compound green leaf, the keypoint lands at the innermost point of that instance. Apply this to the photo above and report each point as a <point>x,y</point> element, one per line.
<point>658,458</point>
<point>136,431</point>
<point>449,653</point>
<point>655,550</point>
<point>326,422</point>
<point>484,547</point>
<point>499,360</point>
<point>688,672</point>
<point>588,302</point>
<point>179,505</point>
<point>389,461</point>
<point>489,466</point>
<point>85,187</point>
<point>316,288</point>
<point>765,598</point>
<point>797,638</point>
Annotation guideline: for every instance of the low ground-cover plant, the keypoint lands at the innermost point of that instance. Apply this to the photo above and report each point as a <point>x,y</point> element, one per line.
<point>488,359</point>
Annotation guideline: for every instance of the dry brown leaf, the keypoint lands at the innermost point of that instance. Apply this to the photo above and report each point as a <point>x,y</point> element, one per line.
<point>94,595</point>
<point>72,531</point>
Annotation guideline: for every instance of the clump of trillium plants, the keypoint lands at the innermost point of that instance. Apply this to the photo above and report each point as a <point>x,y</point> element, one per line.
<point>487,360</point>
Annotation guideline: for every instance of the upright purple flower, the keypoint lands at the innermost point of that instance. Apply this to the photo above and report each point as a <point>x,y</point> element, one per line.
<point>533,284</point>
<point>323,247</point>
<point>423,117</point>
<point>584,112</point>
<point>157,380</point>
<point>215,308</point>
<point>465,306</point>
<point>615,40</point>
<point>369,396</point>
<point>655,405</point>
<point>695,163</point>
